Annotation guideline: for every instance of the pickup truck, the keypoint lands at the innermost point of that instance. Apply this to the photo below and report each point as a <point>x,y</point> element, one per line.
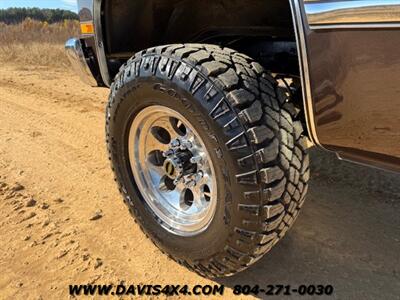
<point>214,104</point>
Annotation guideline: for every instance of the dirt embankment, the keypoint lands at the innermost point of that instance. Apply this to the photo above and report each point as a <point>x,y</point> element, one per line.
<point>62,220</point>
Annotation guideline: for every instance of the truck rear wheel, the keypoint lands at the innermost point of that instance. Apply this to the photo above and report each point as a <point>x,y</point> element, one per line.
<point>209,154</point>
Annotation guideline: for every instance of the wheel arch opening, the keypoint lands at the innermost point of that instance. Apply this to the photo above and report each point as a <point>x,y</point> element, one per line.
<point>262,29</point>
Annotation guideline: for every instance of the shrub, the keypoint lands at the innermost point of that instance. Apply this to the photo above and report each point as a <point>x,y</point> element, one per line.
<point>36,42</point>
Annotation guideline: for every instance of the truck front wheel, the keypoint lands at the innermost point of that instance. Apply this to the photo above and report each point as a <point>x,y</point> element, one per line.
<point>209,154</point>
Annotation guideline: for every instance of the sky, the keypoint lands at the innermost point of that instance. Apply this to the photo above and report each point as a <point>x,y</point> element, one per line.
<point>328,6</point>
<point>63,4</point>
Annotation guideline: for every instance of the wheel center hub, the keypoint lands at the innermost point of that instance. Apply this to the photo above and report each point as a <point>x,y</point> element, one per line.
<point>170,168</point>
<point>178,164</point>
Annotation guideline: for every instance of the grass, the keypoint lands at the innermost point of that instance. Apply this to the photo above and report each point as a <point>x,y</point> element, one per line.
<point>36,43</point>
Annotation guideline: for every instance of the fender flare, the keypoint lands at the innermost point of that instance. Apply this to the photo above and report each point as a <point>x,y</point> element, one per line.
<point>299,22</point>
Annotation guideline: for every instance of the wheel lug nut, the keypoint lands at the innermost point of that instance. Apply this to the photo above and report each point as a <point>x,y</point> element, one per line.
<point>199,176</point>
<point>167,153</point>
<point>186,145</point>
<point>190,184</point>
<point>195,159</point>
<point>175,143</point>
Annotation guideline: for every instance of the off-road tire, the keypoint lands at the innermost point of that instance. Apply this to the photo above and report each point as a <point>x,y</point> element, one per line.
<point>257,137</point>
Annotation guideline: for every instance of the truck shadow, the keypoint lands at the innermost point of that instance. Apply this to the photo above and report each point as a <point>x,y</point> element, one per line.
<point>348,235</point>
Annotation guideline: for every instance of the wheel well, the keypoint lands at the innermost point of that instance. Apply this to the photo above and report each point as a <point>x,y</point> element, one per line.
<point>262,29</point>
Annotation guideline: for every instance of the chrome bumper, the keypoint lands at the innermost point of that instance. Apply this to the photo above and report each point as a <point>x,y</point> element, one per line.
<point>73,48</point>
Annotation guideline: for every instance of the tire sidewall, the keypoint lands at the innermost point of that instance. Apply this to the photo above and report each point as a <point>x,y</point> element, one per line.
<point>133,97</point>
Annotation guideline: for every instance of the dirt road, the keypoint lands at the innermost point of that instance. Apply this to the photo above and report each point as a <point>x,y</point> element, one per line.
<point>62,220</point>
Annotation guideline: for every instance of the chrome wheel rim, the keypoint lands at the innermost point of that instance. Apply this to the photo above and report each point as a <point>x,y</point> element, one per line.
<point>172,170</point>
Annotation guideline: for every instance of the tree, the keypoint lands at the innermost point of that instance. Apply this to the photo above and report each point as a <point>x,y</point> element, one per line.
<point>17,15</point>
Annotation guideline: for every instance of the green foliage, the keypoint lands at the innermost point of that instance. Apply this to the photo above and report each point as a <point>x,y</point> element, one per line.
<point>17,15</point>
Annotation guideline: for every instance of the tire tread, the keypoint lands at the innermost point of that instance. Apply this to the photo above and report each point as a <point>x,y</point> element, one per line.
<point>275,168</point>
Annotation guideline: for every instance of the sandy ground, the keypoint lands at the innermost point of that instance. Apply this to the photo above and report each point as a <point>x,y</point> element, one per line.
<point>55,178</point>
